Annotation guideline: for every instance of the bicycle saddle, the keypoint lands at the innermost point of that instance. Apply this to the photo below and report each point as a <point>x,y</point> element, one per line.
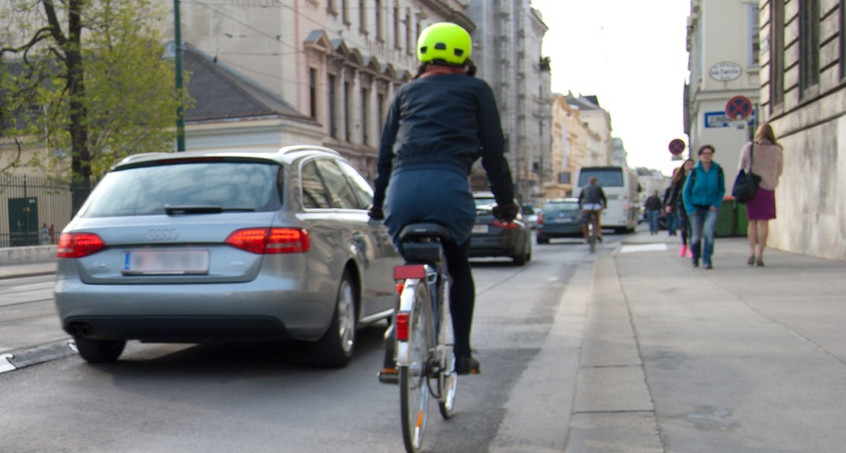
<point>424,230</point>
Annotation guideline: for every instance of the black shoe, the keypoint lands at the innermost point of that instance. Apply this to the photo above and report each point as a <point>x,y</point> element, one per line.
<point>695,263</point>
<point>467,365</point>
<point>599,238</point>
<point>708,266</point>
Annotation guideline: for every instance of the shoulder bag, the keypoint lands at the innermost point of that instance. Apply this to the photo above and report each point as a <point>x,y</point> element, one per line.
<point>746,183</point>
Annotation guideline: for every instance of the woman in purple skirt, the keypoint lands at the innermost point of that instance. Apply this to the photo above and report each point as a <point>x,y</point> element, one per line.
<point>767,159</point>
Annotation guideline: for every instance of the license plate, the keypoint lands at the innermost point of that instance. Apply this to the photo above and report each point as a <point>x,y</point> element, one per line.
<point>165,262</point>
<point>479,229</point>
<point>567,220</point>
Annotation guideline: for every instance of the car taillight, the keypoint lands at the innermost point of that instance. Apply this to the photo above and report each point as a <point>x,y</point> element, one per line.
<point>402,325</point>
<point>78,245</point>
<point>270,241</point>
<point>540,218</point>
<point>505,225</point>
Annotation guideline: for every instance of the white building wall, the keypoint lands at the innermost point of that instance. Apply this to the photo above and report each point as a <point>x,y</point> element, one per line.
<point>723,64</point>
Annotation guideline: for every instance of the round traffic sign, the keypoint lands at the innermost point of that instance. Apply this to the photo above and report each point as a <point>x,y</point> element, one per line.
<point>676,146</point>
<point>739,108</point>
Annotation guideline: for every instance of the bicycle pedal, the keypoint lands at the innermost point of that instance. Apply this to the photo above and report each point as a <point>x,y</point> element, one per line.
<point>389,376</point>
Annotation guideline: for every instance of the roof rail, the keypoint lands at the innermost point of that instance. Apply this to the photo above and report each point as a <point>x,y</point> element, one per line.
<point>134,157</point>
<point>299,148</point>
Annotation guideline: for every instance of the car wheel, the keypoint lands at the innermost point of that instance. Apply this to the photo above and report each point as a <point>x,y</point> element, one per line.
<point>542,239</point>
<point>99,351</point>
<point>335,348</point>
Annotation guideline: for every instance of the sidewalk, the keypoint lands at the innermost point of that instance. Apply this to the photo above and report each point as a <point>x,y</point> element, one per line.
<point>27,270</point>
<point>731,359</point>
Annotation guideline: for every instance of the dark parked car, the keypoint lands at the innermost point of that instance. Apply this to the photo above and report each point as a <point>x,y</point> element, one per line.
<point>492,238</point>
<point>226,246</point>
<point>560,218</point>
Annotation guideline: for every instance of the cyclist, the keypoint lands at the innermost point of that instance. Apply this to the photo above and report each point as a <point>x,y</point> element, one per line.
<point>592,201</point>
<point>436,127</point>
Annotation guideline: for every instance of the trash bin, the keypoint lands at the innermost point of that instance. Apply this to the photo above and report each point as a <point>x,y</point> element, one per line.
<point>732,220</point>
<point>727,219</point>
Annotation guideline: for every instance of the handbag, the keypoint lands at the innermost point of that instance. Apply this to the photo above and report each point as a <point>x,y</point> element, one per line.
<point>746,183</point>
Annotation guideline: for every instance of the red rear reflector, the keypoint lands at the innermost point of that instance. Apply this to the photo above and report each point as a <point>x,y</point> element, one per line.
<point>409,271</point>
<point>402,325</point>
<point>78,245</point>
<point>400,287</point>
<point>270,240</point>
<point>505,225</point>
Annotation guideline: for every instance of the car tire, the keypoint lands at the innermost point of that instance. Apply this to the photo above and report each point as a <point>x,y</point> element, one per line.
<point>542,239</point>
<point>335,348</point>
<point>99,351</point>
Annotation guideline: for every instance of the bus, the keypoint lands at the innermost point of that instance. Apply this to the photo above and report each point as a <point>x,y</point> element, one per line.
<point>621,188</point>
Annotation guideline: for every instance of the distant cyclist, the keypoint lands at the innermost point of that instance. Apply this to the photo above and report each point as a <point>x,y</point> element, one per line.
<point>436,127</point>
<point>592,201</point>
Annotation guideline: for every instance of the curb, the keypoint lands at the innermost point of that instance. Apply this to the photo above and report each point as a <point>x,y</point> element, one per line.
<point>23,358</point>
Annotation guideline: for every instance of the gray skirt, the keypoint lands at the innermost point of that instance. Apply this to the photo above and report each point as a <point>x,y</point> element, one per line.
<point>430,195</point>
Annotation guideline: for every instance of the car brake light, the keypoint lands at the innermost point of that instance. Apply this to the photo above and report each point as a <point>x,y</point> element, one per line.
<point>78,245</point>
<point>402,326</point>
<point>270,241</point>
<point>540,218</point>
<point>505,225</point>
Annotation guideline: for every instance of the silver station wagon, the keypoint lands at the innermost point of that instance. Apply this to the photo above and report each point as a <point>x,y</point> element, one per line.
<point>226,246</point>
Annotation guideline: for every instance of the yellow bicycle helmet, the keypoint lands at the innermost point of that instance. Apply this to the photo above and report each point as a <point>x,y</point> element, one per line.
<point>445,42</point>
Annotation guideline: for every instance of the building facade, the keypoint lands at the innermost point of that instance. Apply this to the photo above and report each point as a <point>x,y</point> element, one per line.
<point>507,51</point>
<point>723,43</point>
<point>574,145</point>
<point>803,96</point>
<point>337,62</point>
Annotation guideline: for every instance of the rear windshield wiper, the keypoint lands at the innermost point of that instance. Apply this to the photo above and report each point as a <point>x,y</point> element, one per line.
<point>202,209</point>
<point>192,209</point>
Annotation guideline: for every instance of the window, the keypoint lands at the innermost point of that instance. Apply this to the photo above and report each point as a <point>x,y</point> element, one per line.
<point>360,185</point>
<point>315,195</point>
<point>347,120</point>
<point>776,53</point>
<point>809,46</point>
<point>379,25</point>
<point>409,43</point>
<point>247,186</point>
<point>842,39</point>
<point>365,112</point>
<point>333,103</point>
<point>362,17</point>
<point>312,92</point>
<point>397,42</point>
<point>338,188</point>
<point>754,38</point>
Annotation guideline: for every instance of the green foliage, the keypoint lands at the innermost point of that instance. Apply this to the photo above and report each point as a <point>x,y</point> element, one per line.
<point>129,97</point>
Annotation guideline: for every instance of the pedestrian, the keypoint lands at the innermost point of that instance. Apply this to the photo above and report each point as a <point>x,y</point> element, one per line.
<point>702,195</point>
<point>653,210</point>
<point>670,214</point>
<point>767,161</point>
<point>45,234</point>
<point>677,205</point>
<point>437,126</point>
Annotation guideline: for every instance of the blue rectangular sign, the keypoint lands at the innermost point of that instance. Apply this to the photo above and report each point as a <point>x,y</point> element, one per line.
<point>720,119</point>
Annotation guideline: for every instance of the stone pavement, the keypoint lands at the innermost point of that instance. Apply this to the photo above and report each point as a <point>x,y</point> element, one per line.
<point>736,358</point>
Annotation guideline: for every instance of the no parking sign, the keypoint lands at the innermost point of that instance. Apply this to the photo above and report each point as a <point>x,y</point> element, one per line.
<point>676,146</point>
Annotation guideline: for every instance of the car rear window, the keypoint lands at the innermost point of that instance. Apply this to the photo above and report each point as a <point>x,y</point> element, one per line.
<point>561,207</point>
<point>247,186</point>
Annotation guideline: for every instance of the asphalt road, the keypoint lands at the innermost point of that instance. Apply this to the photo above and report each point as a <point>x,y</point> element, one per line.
<point>262,398</point>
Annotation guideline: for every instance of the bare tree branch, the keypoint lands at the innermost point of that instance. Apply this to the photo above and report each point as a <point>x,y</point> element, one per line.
<point>55,28</point>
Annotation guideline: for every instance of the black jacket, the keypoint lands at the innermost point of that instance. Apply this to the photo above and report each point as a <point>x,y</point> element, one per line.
<point>444,122</point>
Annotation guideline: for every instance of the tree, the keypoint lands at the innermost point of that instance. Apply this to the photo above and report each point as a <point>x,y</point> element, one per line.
<point>96,69</point>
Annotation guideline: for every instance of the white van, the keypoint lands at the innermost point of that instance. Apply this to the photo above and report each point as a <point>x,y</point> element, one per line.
<point>620,185</point>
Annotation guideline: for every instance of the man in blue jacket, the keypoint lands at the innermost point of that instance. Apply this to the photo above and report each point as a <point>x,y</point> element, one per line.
<point>703,195</point>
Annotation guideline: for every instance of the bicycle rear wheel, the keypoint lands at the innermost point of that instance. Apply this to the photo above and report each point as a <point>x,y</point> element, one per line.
<point>413,377</point>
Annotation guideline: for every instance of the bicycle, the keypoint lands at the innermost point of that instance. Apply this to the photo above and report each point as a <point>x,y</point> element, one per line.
<point>593,234</point>
<point>425,361</point>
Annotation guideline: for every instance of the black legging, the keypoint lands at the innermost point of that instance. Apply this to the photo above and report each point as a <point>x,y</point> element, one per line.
<point>684,223</point>
<point>462,294</point>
